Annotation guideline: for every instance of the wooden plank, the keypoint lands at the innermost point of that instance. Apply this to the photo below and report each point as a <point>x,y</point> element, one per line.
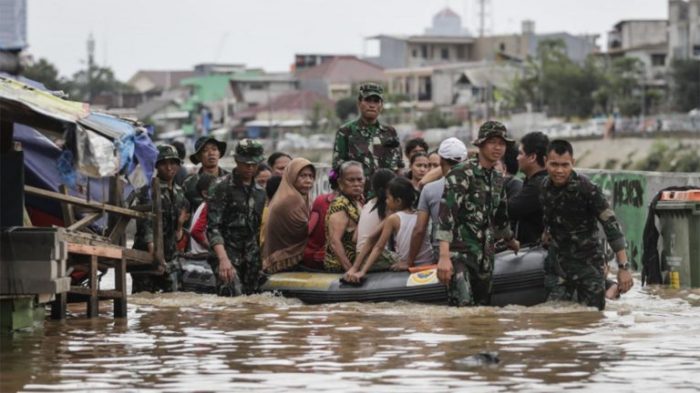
<point>93,306</point>
<point>96,251</point>
<point>137,257</point>
<point>66,208</point>
<point>81,202</point>
<point>87,220</point>
<point>120,287</point>
<point>101,294</point>
<point>116,233</point>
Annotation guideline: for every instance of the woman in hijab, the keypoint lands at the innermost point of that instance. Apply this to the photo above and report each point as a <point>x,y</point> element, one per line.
<point>288,225</point>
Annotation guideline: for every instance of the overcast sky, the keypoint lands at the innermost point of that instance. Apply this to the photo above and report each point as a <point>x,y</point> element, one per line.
<point>176,34</point>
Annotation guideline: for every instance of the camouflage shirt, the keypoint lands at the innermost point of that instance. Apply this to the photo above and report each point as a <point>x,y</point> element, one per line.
<point>172,202</point>
<point>190,187</point>
<point>473,212</point>
<point>571,216</point>
<point>373,145</point>
<point>234,213</point>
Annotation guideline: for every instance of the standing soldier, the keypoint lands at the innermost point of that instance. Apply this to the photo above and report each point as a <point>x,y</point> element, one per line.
<point>208,151</point>
<point>366,140</point>
<point>473,214</point>
<point>235,209</point>
<point>573,207</point>
<point>175,213</point>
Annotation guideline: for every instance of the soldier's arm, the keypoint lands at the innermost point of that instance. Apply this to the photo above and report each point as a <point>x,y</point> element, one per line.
<point>606,216</point>
<point>215,208</point>
<point>452,198</point>
<point>144,227</point>
<point>340,147</point>
<point>502,224</point>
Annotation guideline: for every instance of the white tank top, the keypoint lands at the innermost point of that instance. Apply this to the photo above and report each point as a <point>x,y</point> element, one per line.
<point>403,240</point>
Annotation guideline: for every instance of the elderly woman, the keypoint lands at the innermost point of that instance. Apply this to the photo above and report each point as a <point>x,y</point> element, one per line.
<point>342,218</point>
<point>287,228</point>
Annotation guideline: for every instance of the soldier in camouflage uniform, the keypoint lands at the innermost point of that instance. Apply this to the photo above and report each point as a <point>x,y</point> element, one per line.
<point>573,206</point>
<point>235,209</point>
<point>366,140</point>
<point>175,211</point>
<point>208,151</point>
<point>473,214</point>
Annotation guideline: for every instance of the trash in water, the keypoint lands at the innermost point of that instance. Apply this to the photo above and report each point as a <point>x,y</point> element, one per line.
<point>480,359</point>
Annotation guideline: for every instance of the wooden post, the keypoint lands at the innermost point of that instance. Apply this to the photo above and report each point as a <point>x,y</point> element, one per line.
<point>66,208</point>
<point>115,199</point>
<point>157,223</point>
<point>58,307</point>
<point>93,301</point>
<point>120,286</point>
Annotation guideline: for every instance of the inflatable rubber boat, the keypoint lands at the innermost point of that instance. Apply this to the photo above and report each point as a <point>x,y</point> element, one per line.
<point>518,279</point>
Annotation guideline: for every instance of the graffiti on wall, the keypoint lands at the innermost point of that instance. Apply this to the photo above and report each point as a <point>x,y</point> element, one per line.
<point>626,192</point>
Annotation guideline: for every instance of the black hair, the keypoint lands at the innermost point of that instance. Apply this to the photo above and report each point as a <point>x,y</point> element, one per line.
<point>414,156</point>
<point>262,167</point>
<point>272,185</point>
<point>402,188</point>
<point>411,144</point>
<point>430,153</point>
<point>204,182</point>
<point>535,143</point>
<point>275,156</point>
<point>180,147</point>
<point>561,147</point>
<point>510,159</point>
<point>380,180</point>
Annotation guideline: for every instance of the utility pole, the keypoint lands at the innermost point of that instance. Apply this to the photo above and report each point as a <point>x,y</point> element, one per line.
<point>483,13</point>
<point>91,65</point>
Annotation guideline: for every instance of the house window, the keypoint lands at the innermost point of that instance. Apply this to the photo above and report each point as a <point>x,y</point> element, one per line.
<point>502,47</point>
<point>658,60</point>
<point>414,53</point>
<point>696,50</point>
<point>256,86</point>
<point>424,51</point>
<point>445,53</point>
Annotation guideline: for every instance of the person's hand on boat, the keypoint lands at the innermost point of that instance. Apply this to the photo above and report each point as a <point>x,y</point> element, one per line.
<point>624,280</point>
<point>183,218</point>
<point>226,270</point>
<point>445,270</point>
<point>399,266</point>
<point>349,275</point>
<point>513,244</point>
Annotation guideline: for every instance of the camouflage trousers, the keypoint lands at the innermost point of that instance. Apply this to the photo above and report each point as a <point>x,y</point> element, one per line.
<point>569,279</point>
<point>166,282</point>
<point>248,265</point>
<point>469,285</point>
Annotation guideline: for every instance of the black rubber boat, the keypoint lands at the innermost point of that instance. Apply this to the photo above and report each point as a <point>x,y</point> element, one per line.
<point>518,279</point>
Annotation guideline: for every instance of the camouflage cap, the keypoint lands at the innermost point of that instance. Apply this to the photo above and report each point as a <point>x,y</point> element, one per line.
<point>371,89</point>
<point>201,142</point>
<point>249,151</point>
<point>167,152</point>
<point>492,129</point>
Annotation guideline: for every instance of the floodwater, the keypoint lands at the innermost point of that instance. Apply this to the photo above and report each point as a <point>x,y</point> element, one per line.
<point>647,341</point>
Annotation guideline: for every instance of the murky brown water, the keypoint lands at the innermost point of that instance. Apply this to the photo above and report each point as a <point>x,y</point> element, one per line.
<point>648,341</point>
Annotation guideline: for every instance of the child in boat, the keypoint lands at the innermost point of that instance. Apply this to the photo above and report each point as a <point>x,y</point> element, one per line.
<point>400,225</point>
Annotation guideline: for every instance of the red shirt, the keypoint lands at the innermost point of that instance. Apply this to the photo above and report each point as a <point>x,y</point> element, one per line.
<point>315,246</point>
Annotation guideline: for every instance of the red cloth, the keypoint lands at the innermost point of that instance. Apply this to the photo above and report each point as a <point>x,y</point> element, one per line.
<point>315,247</point>
<point>199,230</point>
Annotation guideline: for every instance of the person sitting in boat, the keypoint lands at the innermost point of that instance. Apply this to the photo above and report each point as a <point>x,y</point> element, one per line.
<point>399,225</point>
<point>419,165</point>
<point>342,218</point>
<point>270,189</point>
<point>315,250</point>
<point>374,211</point>
<point>287,228</point>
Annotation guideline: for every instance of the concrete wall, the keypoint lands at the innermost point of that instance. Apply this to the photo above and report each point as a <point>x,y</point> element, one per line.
<point>637,33</point>
<point>630,193</point>
<point>392,53</point>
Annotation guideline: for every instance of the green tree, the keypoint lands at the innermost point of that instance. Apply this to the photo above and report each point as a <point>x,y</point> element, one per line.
<point>686,84</point>
<point>43,71</point>
<point>622,86</point>
<point>96,80</point>
<point>345,107</point>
